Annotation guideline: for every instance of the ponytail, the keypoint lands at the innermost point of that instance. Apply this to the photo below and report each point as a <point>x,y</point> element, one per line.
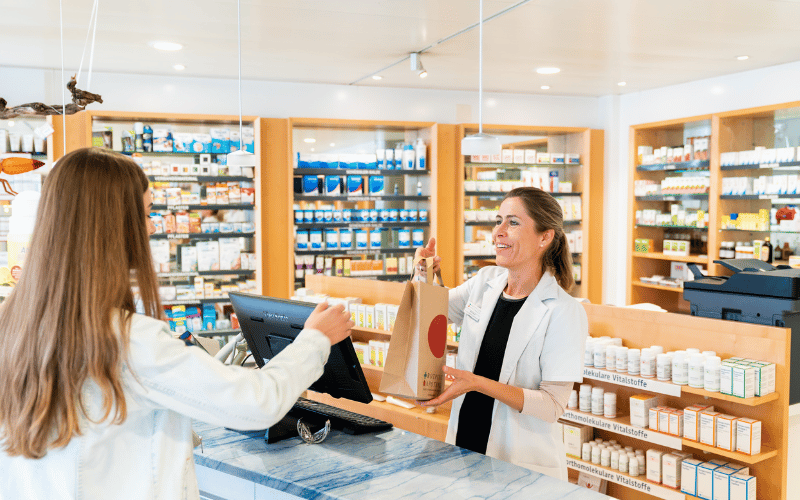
<point>558,260</point>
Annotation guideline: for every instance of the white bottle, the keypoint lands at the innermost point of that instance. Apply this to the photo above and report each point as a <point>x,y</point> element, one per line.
<point>647,365</point>
<point>622,359</point>
<point>585,398</point>
<point>611,357</point>
<point>663,367</point>
<point>588,353</point>
<point>419,155</point>
<point>657,349</point>
<point>615,460</point>
<point>597,401</point>
<point>600,354</point>
<point>419,188</point>
<point>712,375</point>
<point>610,405</point>
<point>623,462</point>
<point>573,400</point>
<point>408,157</point>
<point>633,465</point>
<point>586,452</point>
<point>633,361</point>
<point>605,458</point>
<point>596,454</point>
<point>696,371</point>
<point>680,368</point>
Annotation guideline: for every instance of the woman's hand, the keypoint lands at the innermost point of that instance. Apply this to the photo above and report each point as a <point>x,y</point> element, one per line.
<point>333,321</point>
<point>425,252</point>
<point>463,382</point>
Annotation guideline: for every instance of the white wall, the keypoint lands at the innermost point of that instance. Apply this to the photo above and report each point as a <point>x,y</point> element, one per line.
<point>170,94</point>
<point>773,85</point>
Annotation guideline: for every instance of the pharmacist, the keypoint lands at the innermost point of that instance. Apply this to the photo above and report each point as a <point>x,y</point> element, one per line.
<point>522,340</point>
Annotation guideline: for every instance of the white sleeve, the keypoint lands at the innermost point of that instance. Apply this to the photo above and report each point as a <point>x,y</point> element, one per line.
<point>562,353</point>
<point>187,380</point>
<point>458,302</point>
<point>548,402</point>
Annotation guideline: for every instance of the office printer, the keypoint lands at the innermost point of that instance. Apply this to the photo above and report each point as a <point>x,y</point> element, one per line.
<point>757,292</point>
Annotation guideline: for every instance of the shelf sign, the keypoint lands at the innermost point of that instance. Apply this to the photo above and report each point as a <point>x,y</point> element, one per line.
<point>177,236</point>
<point>626,480</point>
<point>768,197</point>
<point>644,384</point>
<point>175,178</point>
<point>178,207</point>
<point>659,438</point>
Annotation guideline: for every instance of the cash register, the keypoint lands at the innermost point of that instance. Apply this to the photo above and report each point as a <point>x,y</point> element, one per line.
<point>757,292</point>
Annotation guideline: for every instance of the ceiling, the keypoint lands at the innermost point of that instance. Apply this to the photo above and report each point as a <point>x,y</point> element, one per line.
<point>596,43</point>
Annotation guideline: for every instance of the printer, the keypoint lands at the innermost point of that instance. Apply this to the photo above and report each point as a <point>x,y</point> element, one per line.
<point>757,292</point>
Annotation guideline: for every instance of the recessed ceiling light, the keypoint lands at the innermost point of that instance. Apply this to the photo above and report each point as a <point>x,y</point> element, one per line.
<point>743,58</point>
<point>545,87</point>
<point>10,123</point>
<point>179,67</point>
<point>312,150</point>
<point>333,144</point>
<point>547,71</point>
<point>309,140</point>
<point>622,84</point>
<point>423,74</point>
<point>166,45</point>
<point>376,77</point>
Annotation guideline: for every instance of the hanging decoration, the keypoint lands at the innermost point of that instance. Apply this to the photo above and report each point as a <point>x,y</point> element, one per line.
<point>80,99</point>
<point>13,166</point>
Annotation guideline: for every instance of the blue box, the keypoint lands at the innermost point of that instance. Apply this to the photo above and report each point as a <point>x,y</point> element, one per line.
<point>355,185</point>
<point>209,317</point>
<point>373,215</point>
<point>319,216</point>
<point>347,215</point>
<point>308,216</point>
<point>327,216</point>
<point>376,184</point>
<point>363,215</point>
<point>383,215</point>
<point>332,185</point>
<point>393,215</point>
<point>298,216</point>
<point>345,239</point>
<point>220,140</point>
<point>310,184</point>
<point>423,215</point>
<point>337,216</point>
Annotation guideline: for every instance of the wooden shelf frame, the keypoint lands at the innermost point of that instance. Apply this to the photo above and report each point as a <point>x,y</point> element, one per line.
<point>585,141</point>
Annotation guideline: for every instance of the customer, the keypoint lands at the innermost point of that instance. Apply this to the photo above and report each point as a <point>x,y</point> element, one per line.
<point>97,401</point>
<point>522,340</point>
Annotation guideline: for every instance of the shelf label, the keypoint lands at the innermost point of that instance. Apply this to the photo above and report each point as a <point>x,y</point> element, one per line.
<point>659,438</point>
<point>768,197</point>
<point>176,178</point>
<point>626,480</point>
<point>644,384</point>
<point>362,172</point>
<point>178,207</point>
<point>177,236</point>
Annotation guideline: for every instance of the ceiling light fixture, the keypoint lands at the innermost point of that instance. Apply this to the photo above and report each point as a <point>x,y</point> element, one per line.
<point>416,65</point>
<point>743,58</point>
<point>166,46</point>
<point>622,84</point>
<point>241,158</point>
<point>545,87</point>
<point>376,77</point>
<point>480,143</point>
<point>333,144</point>
<point>179,67</point>
<point>548,71</point>
<point>309,140</point>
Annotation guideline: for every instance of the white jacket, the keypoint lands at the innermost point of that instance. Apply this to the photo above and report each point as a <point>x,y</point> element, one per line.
<point>546,343</point>
<point>166,384</point>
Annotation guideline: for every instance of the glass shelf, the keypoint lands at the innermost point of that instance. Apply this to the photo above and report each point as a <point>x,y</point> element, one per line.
<point>683,166</point>
<point>673,227</point>
<point>495,194</point>
<point>199,236</point>
<point>769,166</point>
<point>199,178</point>
<point>673,197</point>
<point>231,206</point>
<point>300,197</point>
<point>324,225</point>
<point>356,171</point>
<point>520,166</point>
<point>364,251</point>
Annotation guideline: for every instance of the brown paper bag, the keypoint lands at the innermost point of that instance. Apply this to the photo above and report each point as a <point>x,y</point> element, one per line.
<point>413,366</point>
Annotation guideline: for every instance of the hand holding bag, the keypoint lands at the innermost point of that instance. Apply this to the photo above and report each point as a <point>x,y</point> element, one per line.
<point>413,366</point>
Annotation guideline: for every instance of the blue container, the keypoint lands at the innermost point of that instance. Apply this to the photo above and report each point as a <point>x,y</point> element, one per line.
<point>302,240</point>
<point>393,215</point>
<point>412,215</point>
<point>308,216</point>
<point>423,215</point>
<point>347,215</point>
<point>345,239</point>
<point>327,215</point>
<point>404,238</point>
<point>310,185</point>
<point>315,239</point>
<point>298,216</point>
<point>362,239</point>
<point>331,239</point>
<point>383,215</point>
<point>363,215</point>
<point>337,216</point>
<point>403,215</point>
<point>332,185</point>
<point>375,238</point>
<point>355,185</point>
<point>376,184</point>
<point>418,237</point>
<point>319,216</point>
<point>373,215</point>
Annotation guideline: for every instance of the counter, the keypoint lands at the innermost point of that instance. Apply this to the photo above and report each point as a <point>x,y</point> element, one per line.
<point>389,465</point>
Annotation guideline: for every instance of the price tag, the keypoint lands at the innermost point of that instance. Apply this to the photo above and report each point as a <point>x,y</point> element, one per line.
<point>43,131</point>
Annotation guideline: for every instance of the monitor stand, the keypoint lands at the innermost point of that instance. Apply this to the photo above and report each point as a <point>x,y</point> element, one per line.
<point>286,427</point>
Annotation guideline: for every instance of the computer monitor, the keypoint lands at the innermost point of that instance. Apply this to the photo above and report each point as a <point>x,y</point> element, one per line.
<point>269,325</point>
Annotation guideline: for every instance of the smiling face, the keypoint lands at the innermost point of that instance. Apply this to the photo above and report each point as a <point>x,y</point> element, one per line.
<point>518,245</point>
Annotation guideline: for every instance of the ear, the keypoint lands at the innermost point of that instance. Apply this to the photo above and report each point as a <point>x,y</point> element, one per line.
<point>547,237</point>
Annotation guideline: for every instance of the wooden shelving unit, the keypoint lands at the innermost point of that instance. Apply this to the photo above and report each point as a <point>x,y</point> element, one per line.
<point>587,183</point>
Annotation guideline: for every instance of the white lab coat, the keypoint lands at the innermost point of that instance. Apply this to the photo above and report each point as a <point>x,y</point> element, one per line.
<point>546,343</point>
<point>150,455</point>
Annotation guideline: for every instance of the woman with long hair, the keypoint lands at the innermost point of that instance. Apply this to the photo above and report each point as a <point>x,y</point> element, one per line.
<point>522,339</point>
<point>96,400</point>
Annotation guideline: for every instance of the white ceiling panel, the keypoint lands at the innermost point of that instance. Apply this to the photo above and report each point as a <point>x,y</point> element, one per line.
<point>596,43</point>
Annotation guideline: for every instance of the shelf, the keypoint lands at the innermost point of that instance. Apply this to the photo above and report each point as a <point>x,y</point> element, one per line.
<point>493,256</point>
<point>658,287</point>
<point>492,223</point>
<point>760,400</point>
<point>381,277</point>
<point>198,236</point>
<point>684,165</point>
<point>168,153</point>
<point>217,333</point>
<point>622,425</point>
<point>751,196</point>
<point>634,483</point>
<point>388,197</point>
<point>375,331</point>
<point>771,166</point>
<point>520,166</point>
<point>757,231</point>
<point>673,227</point>
<point>766,453</point>
<point>673,197</point>
<point>495,194</point>
<point>239,272</point>
<point>698,259</point>
<point>324,225</point>
<point>215,300</point>
<point>365,251</point>
<point>232,206</point>
<point>199,178</point>
<point>356,171</point>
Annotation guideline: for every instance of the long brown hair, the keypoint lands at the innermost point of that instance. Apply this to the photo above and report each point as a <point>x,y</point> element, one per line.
<point>67,321</point>
<point>546,214</point>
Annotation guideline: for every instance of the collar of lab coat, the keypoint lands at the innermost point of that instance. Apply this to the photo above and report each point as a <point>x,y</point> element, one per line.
<point>526,322</point>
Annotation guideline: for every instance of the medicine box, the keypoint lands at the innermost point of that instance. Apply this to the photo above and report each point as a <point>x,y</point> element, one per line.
<point>369,316</point>
<point>663,420</point>
<point>574,437</point>
<point>519,156</point>
<point>744,381</point>
<point>742,487</point>
<point>726,432</point>
<point>764,378</point>
<point>654,465</point>
<point>653,418</point>
<point>542,157</point>
<point>671,470</point>
<point>722,481</point>
<point>689,476</point>
<point>530,156</point>
<point>640,405</point>
<point>705,480</point>
<point>708,427</point>
<point>748,436</point>
<point>676,423</point>
<point>572,159</point>
<point>507,156</point>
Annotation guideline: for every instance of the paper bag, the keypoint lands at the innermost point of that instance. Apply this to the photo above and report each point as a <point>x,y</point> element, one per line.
<point>413,366</point>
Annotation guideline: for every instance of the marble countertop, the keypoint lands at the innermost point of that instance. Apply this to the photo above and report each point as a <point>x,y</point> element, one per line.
<point>389,465</point>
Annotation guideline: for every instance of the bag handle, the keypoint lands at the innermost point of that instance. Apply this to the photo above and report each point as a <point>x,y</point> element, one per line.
<point>428,266</point>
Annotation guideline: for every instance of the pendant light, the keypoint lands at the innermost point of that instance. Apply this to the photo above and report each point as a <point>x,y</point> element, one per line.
<point>240,158</point>
<point>480,143</point>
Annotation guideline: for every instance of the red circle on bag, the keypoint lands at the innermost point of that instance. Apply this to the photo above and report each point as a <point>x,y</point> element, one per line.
<point>437,335</point>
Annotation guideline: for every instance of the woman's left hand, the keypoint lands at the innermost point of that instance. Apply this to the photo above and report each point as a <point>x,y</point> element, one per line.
<point>463,382</point>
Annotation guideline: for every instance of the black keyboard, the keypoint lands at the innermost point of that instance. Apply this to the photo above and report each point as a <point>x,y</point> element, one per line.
<point>346,421</point>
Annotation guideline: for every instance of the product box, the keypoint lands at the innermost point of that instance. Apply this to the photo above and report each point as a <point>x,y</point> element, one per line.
<point>519,156</point>
<point>708,427</point>
<point>381,316</point>
<point>676,423</point>
<point>691,421</point>
<point>744,381</point>
<point>726,432</point>
<point>542,157</point>
<point>159,249</point>
<point>574,437</point>
<point>229,254</point>
<point>355,185</point>
<point>392,315</point>
<point>640,405</point>
<point>182,143</point>
<point>643,245</point>
<point>162,140</point>
<point>653,418</point>
<point>234,141</point>
<point>248,138</point>
<point>188,259</point>
<point>663,419</point>
<point>654,465</point>
<point>207,255</point>
<point>369,316</point>
<point>705,480</point>
<point>742,487</point>
<point>530,156</point>
<point>557,158</point>
<point>689,476</point>
<point>201,143</point>
<point>764,378</point>
<point>671,470</point>
<point>220,138</point>
<point>722,482</point>
<point>748,436</point>
<point>572,159</point>
<point>507,156</point>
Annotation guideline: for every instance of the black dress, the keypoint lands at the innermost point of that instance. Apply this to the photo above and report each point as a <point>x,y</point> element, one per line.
<point>475,416</point>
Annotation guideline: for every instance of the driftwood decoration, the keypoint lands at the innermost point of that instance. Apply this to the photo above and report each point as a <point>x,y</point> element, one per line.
<point>80,99</point>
